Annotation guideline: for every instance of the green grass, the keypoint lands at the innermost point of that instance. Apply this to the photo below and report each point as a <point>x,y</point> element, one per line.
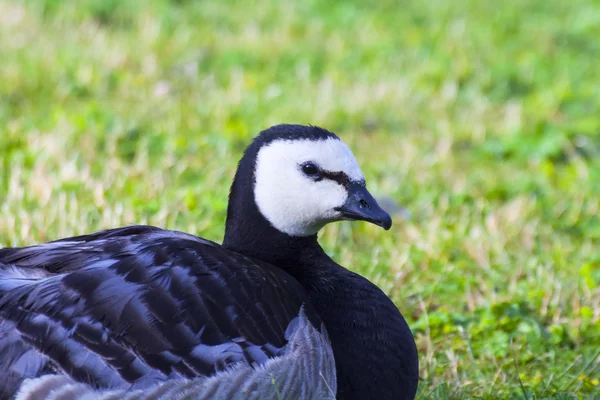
<point>481,118</point>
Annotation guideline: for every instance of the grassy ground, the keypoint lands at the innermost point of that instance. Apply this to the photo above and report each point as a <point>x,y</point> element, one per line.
<point>481,118</point>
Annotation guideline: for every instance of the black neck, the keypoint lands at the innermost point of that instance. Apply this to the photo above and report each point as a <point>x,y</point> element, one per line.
<point>248,232</point>
<point>374,349</point>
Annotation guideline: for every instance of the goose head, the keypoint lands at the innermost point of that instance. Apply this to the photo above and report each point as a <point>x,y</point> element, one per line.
<point>293,180</point>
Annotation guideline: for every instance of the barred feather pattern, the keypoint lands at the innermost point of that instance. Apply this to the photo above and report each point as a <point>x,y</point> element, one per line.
<point>135,308</point>
<point>306,371</point>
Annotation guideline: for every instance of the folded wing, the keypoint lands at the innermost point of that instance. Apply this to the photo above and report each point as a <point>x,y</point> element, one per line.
<point>127,309</point>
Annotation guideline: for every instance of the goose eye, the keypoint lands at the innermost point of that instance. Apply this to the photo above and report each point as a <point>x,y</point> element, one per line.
<point>311,170</point>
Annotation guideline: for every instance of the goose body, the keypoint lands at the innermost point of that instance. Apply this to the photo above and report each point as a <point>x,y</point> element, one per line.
<point>146,313</point>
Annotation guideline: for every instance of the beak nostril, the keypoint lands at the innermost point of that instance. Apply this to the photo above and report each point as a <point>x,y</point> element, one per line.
<point>364,204</point>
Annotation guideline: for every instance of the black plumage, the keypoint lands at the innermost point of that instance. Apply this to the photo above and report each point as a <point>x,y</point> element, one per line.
<point>144,301</point>
<point>127,308</point>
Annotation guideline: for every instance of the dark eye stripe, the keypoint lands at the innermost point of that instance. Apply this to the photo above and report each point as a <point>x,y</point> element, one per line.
<point>340,177</point>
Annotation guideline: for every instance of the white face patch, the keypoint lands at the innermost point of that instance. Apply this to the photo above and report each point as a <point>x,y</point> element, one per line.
<point>293,202</point>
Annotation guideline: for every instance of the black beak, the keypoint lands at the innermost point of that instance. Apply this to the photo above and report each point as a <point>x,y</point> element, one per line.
<point>361,206</point>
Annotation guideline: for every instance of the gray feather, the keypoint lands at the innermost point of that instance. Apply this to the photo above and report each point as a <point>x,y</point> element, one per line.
<point>304,371</point>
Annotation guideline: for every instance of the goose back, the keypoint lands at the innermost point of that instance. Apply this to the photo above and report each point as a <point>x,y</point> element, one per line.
<point>131,308</point>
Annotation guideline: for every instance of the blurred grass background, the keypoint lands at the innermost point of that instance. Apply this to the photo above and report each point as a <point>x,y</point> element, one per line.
<point>481,118</point>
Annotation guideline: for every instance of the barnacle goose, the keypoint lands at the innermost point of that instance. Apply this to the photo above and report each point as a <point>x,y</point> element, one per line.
<point>145,313</point>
